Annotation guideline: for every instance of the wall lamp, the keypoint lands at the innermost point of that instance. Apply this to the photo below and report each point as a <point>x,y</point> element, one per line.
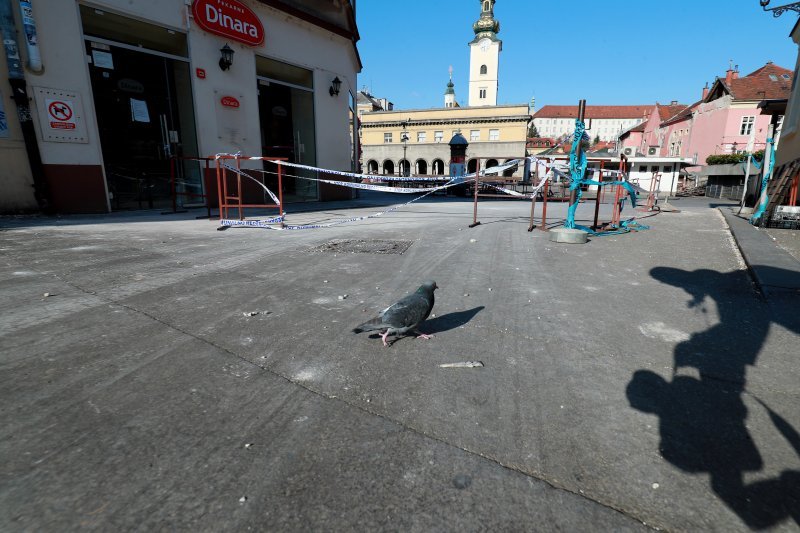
<point>335,85</point>
<point>226,59</point>
<point>780,10</point>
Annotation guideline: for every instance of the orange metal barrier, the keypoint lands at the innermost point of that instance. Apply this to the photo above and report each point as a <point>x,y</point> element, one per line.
<point>230,192</point>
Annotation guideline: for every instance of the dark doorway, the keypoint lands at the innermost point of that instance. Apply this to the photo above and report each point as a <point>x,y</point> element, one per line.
<point>136,100</point>
<point>286,113</point>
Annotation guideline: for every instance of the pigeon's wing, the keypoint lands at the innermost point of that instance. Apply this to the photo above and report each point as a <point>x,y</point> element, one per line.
<point>407,313</point>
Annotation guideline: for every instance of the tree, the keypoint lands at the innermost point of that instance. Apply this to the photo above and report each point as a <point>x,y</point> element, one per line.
<point>596,139</point>
<point>532,131</point>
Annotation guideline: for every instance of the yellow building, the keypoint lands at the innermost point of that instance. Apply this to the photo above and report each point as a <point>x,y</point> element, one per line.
<point>415,141</point>
<point>494,132</point>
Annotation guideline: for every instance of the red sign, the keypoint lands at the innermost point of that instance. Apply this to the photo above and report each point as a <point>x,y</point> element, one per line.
<point>229,101</point>
<point>60,111</point>
<point>60,115</point>
<point>229,18</point>
<point>201,73</point>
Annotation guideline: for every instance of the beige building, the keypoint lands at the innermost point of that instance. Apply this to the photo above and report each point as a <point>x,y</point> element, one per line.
<point>123,86</point>
<point>415,141</point>
<point>497,133</point>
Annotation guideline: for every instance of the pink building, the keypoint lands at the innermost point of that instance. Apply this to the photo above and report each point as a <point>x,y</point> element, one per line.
<point>722,122</point>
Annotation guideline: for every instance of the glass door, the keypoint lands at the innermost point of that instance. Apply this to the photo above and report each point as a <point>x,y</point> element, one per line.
<point>141,87</point>
<point>286,113</point>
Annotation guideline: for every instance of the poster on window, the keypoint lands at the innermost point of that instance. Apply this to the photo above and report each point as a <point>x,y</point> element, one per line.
<point>139,111</point>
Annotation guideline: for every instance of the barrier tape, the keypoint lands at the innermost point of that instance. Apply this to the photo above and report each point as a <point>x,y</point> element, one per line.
<point>251,223</point>
<point>264,224</point>
<point>239,171</point>
<point>350,184</point>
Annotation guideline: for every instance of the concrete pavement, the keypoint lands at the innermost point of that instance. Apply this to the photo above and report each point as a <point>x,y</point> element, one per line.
<point>638,381</point>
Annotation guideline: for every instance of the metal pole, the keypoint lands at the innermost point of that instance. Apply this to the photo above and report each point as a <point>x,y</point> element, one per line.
<point>220,198</point>
<point>746,179</point>
<point>597,198</point>
<point>533,199</point>
<point>545,192</point>
<point>475,196</point>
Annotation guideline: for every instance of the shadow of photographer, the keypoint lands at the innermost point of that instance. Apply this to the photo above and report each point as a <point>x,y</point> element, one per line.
<point>702,420</point>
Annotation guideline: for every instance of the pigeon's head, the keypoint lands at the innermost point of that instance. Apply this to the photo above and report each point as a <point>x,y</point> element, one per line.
<point>428,287</point>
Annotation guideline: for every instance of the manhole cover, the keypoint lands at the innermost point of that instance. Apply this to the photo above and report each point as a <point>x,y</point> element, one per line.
<point>363,246</point>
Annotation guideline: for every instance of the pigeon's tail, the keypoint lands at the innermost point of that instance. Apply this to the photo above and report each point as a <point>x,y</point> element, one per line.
<point>369,325</point>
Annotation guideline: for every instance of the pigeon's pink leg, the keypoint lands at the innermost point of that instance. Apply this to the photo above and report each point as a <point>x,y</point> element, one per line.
<point>424,336</point>
<point>384,337</point>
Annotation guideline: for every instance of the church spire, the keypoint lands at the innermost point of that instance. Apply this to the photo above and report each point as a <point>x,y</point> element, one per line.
<point>450,92</point>
<point>486,26</point>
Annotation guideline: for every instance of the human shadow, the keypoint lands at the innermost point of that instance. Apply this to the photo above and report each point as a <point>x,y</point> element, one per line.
<point>702,419</point>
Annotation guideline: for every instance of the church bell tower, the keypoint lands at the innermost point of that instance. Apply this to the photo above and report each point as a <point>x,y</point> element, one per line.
<point>484,58</point>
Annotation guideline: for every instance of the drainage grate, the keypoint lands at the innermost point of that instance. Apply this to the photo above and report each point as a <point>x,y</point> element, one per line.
<point>363,246</point>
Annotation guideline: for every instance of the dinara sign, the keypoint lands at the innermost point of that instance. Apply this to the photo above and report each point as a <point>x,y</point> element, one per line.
<point>229,18</point>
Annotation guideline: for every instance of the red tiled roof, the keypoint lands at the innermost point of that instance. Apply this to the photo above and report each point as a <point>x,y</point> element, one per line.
<point>594,111</point>
<point>759,86</point>
<point>538,142</point>
<point>684,113</point>
<point>666,112</point>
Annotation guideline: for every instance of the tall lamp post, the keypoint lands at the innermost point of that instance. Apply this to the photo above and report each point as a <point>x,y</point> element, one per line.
<point>780,10</point>
<point>404,138</point>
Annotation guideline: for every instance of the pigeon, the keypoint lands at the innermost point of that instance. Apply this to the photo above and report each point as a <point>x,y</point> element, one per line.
<point>404,315</point>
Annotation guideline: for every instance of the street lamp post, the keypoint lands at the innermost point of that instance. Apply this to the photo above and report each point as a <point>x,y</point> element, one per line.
<point>780,10</point>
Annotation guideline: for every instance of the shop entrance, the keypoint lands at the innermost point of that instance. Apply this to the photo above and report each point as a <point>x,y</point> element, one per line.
<point>286,113</point>
<point>144,112</point>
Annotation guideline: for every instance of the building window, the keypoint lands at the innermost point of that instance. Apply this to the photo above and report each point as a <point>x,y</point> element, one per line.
<point>438,136</point>
<point>422,137</point>
<point>455,132</point>
<point>482,93</point>
<point>483,69</point>
<point>747,125</point>
<point>475,135</point>
<point>387,137</point>
<point>494,135</point>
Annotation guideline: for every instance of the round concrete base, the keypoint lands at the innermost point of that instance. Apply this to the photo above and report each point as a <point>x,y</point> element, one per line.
<point>569,236</point>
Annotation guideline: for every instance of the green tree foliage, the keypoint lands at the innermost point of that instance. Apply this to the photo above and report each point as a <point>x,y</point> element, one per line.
<point>532,131</point>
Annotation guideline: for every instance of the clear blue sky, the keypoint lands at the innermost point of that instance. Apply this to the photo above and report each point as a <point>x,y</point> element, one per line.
<point>609,52</point>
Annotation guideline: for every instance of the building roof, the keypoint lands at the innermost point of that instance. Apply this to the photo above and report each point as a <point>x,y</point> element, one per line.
<point>683,114</point>
<point>594,111</point>
<point>538,142</point>
<point>666,112</point>
<point>770,82</point>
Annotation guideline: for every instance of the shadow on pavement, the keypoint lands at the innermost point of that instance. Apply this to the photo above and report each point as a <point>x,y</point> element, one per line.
<point>702,420</point>
<point>450,320</point>
<point>441,323</point>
